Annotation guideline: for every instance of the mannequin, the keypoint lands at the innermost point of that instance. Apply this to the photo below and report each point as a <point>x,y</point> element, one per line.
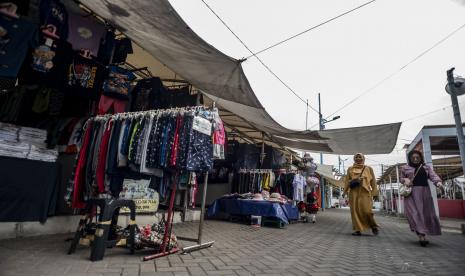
<point>312,184</point>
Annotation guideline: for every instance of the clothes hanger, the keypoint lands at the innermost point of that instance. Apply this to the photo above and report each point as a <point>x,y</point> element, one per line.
<point>9,9</point>
<point>85,53</point>
<point>50,30</point>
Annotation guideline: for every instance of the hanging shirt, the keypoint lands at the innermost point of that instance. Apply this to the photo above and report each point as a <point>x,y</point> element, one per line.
<point>107,45</point>
<point>118,83</point>
<point>123,47</point>
<point>85,33</point>
<point>85,77</point>
<point>16,37</point>
<point>53,12</point>
<point>298,184</point>
<point>48,63</point>
<point>147,95</point>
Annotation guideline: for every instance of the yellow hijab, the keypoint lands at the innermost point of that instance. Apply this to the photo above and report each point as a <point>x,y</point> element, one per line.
<point>356,165</point>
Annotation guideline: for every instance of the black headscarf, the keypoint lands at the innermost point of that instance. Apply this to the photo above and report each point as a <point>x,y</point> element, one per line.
<point>410,163</point>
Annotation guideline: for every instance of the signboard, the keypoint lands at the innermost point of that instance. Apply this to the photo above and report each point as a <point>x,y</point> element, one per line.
<point>145,198</point>
<point>143,206</point>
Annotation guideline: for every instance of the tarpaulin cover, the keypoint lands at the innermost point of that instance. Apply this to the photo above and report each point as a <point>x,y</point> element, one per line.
<point>158,28</point>
<point>245,207</point>
<point>326,171</point>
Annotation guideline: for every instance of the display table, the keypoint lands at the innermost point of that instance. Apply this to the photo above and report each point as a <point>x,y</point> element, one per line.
<point>28,189</point>
<point>246,207</point>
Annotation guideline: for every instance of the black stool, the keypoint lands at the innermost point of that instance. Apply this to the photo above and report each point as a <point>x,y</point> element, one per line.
<point>108,217</point>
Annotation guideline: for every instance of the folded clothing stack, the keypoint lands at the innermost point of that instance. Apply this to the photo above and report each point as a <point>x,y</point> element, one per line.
<point>25,142</point>
<point>33,136</point>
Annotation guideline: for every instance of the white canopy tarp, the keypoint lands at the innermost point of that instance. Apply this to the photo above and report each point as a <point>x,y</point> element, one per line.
<point>326,171</point>
<point>158,29</point>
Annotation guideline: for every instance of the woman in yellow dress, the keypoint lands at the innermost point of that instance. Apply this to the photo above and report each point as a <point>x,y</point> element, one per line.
<point>360,184</point>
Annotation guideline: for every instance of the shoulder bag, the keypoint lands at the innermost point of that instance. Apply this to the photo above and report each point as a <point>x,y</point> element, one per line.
<point>405,190</point>
<point>354,183</point>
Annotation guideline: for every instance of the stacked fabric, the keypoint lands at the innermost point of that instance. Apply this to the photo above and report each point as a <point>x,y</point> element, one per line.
<point>25,142</point>
<point>42,154</point>
<point>13,149</point>
<point>33,136</point>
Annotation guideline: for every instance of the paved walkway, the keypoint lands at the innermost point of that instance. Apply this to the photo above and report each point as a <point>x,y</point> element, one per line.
<point>324,248</point>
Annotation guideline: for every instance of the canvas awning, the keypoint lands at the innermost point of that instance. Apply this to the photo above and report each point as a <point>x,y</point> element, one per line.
<point>326,171</point>
<point>158,29</point>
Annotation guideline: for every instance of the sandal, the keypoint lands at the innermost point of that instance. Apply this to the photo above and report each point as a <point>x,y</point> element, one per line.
<point>356,233</point>
<point>423,241</point>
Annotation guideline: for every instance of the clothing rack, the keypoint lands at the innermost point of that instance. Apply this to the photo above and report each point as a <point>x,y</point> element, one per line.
<point>255,171</point>
<point>151,112</point>
<point>164,248</point>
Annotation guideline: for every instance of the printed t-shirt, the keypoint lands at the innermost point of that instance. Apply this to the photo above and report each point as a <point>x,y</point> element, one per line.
<point>53,12</point>
<point>85,33</point>
<point>85,77</point>
<point>118,83</point>
<point>48,63</point>
<point>16,37</point>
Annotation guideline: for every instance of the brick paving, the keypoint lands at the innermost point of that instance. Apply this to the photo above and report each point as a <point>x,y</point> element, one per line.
<point>324,248</point>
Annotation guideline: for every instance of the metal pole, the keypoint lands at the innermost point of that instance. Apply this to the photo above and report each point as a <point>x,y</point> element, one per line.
<point>202,210</point>
<point>392,194</point>
<point>262,155</point>
<point>398,185</point>
<point>306,117</point>
<point>457,117</point>
<point>321,155</point>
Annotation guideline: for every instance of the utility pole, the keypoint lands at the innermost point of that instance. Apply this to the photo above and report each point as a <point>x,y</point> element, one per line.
<point>322,126</point>
<point>458,121</point>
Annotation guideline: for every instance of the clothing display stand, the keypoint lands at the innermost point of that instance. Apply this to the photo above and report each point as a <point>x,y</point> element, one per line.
<point>199,244</point>
<point>106,219</point>
<point>168,225</point>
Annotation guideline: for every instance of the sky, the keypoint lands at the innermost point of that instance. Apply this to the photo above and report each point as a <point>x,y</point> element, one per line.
<point>343,59</point>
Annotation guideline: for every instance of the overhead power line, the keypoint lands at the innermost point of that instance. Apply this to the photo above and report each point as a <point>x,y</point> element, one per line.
<point>429,113</point>
<point>309,29</point>
<point>261,61</point>
<point>398,71</point>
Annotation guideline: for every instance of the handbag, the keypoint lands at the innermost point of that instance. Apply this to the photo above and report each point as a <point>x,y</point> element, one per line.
<point>405,190</point>
<point>354,183</point>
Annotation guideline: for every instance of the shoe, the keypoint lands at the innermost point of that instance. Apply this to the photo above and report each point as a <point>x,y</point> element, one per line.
<point>356,233</point>
<point>423,241</point>
<point>375,231</point>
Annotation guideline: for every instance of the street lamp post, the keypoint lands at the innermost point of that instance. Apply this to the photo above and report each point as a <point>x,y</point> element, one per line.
<point>322,127</point>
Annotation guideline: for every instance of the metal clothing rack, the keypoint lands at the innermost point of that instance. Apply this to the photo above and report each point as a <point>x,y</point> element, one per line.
<point>169,223</point>
<point>255,171</point>
<point>198,240</point>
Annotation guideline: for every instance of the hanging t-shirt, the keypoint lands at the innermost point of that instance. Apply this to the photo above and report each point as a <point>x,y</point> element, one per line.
<point>298,184</point>
<point>16,37</point>
<point>85,77</point>
<point>147,94</point>
<point>123,47</point>
<point>85,33</point>
<point>107,45</point>
<point>53,12</point>
<point>47,64</point>
<point>118,83</point>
